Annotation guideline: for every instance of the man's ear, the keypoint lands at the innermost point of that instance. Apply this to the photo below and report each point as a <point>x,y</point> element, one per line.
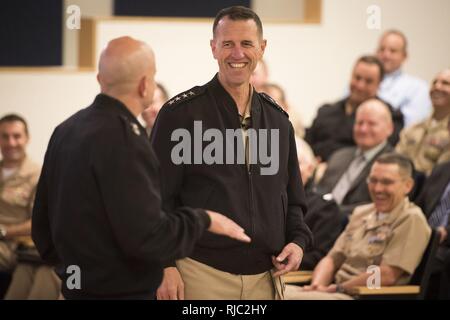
<point>142,87</point>
<point>409,184</point>
<point>391,129</point>
<point>212,44</point>
<point>405,56</point>
<point>263,46</point>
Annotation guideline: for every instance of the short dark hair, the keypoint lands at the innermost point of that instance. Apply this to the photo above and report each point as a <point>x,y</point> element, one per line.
<point>236,13</point>
<point>372,60</point>
<point>12,117</point>
<point>404,163</point>
<point>397,33</point>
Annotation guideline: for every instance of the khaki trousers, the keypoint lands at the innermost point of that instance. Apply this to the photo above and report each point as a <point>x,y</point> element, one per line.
<point>33,282</point>
<point>202,282</point>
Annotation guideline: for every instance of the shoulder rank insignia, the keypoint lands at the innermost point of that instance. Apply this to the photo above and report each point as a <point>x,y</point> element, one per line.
<point>184,96</point>
<point>135,128</point>
<point>327,197</point>
<point>273,103</point>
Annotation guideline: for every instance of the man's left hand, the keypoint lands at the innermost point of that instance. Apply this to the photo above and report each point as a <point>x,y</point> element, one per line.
<point>293,255</point>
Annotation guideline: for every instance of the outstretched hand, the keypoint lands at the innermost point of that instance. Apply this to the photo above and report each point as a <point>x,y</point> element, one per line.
<point>226,227</point>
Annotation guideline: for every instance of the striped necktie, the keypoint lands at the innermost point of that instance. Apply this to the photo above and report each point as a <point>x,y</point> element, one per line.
<point>439,217</point>
<point>344,184</point>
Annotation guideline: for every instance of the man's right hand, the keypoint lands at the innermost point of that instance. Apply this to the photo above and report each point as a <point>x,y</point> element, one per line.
<point>225,226</point>
<point>172,286</point>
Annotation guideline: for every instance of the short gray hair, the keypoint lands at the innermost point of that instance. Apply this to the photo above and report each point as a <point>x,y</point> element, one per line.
<point>404,163</point>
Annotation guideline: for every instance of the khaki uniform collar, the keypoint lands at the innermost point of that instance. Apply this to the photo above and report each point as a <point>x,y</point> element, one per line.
<point>372,221</point>
<point>24,169</point>
<point>431,122</point>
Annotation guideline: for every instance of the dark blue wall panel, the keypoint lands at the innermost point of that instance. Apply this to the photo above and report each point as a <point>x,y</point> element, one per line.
<point>31,32</point>
<point>174,8</point>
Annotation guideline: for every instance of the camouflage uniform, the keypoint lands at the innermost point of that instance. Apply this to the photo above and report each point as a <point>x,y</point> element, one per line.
<point>16,202</point>
<point>426,144</point>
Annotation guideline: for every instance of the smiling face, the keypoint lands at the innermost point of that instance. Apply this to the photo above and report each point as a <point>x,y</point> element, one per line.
<point>237,47</point>
<point>373,124</point>
<point>440,90</point>
<point>388,186</point>
<point>13,140</point>
<point>364,83</point>
<point>391,52</point>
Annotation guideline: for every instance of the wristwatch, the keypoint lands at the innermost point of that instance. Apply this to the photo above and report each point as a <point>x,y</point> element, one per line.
<point>2,232</point>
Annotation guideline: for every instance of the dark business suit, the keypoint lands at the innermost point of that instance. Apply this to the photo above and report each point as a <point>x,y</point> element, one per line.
<point>325,222</point>
<point>428,200</point>
<point>433,189</point>
<point>332,129</point>
<point>337,165</point>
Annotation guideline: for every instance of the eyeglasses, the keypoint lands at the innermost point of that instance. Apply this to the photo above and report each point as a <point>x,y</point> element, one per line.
<point>383,182</point>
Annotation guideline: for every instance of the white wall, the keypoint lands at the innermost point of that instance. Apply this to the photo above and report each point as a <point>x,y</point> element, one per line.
<point>45,99</point>
<point>312,62</point>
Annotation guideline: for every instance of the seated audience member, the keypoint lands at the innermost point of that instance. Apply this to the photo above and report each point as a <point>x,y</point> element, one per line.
<point>402,91</point>
<point>391,232</point>
<point>347,169</point>
<point>426,143</point>
<point>32,278</point>
<point>149,114</point>
<point>278,94</point>
<point>260,76</point>
<point>323,217</point>
<point>332,128</point>
<point>18,179</point>
<point>435,203</point>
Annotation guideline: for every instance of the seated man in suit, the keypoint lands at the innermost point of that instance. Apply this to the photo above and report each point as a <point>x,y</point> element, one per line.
<point>332,128</point>
<point>345,177</point>
<point>426,143</point>
<point>323,217</point>
<point>435,203</point>
<point>391,233</point>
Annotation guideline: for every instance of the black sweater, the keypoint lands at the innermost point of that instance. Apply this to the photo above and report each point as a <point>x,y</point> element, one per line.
<point>269,207</point>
